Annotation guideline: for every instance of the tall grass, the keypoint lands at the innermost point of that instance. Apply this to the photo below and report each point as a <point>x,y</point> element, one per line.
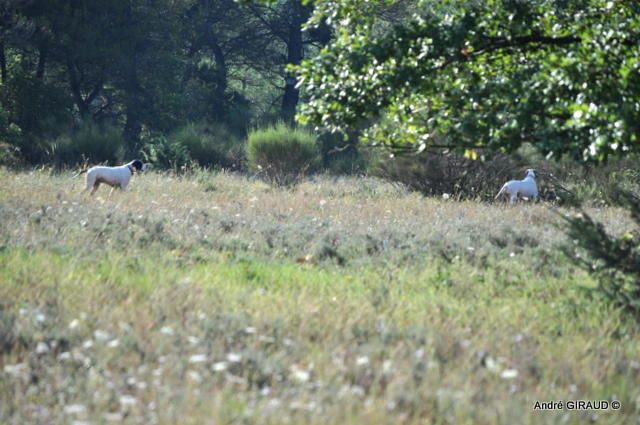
<point>219,298</point>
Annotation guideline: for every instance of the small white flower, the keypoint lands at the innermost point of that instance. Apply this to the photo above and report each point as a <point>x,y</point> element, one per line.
<point>75,409</point>
<point>250,330</point>
<point>219,366</point>
<point>113,343</point>
<point>198,358</point>
<point>42,348</point>
<point>357,391</point>
<point>509,374</point>
<point>234,357</point>
<point>127,400</point>
<point>362,361</point>
<point>113,417</point>
<point>15,369</point>
<point>166,330</point>
<point>300,375</point>
<point>74,324</point>
<point>491,364</point>
<point>194,376</point>
<point>100,335</point>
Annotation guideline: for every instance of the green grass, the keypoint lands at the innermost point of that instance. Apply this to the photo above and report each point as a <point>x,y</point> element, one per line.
<point>215,299</point>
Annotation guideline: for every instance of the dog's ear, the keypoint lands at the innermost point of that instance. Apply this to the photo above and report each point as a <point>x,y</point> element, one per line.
<point>137,164</point>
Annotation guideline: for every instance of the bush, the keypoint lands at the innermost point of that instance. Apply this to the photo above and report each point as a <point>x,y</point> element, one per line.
<point>91,142</point>
<point>437,171</point>
<point>163,154</point>
<point>614,260</point>
<point>341,156</point>
<point>282,154</point>
<point>208,145</point>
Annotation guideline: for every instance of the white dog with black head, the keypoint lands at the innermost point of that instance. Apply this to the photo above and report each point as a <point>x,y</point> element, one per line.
<point>518,189</point>
<point>116,177</point>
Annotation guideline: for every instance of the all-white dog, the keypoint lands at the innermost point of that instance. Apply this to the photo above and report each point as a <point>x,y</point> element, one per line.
<point>116,177</point>
<point>516,189</point>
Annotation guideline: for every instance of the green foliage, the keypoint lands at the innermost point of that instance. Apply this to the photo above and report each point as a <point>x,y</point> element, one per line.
<point>90,142</point>
<point>9,136</point>
<point>65,62</point>
<point>441,172</point>
<point>341,156</point>
<point>615,261</point>
<point>164,155</point>
<point>209,145</point>
<point>195,144</point>
<point>562,75</point>
<point>282,153</point>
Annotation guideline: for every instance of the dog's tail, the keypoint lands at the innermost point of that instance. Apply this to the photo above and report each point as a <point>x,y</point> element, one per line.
<point>501,191</point>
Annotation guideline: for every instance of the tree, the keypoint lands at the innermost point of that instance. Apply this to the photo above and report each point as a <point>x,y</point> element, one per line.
<point>560,74</point>
<point>285,20</point>
<point>226,43</point>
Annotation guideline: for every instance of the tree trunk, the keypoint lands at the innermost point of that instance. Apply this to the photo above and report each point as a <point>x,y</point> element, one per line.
<point>83,103</point>
<point>294,57</point>
<point>75,89</point>
<point>3,65</point>
<point>133,104</point>
<point>43,49</point>
<point>221,107</point>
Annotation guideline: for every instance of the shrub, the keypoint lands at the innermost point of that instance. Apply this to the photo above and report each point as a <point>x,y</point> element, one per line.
<point>282,154</point>
<point>614,260</point>
<point>439,171</point>
<point>93,142</point>
<point>163,154</point>
<point>341,156</point>
<point>209,145</point>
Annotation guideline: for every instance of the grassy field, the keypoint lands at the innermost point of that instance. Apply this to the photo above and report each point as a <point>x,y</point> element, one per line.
<point>215,299</point>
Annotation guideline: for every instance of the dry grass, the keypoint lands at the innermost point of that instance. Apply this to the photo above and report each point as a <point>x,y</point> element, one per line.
<point>213,298</point>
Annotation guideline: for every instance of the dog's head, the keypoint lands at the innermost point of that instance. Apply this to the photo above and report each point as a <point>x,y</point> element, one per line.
<point>531,173</point>
<point>138,165</point>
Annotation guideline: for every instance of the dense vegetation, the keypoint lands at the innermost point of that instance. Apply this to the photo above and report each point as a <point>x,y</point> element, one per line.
<point>205,294</point>
<point>147,68</point>
<point>562,75</point>
<point>480,77</point>
<point>216,297</point>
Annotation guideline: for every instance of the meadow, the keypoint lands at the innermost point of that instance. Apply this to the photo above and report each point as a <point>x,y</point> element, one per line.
<point>213,298</point>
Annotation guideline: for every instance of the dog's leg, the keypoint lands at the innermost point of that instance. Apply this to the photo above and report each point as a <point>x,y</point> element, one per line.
<point>96,185</point>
